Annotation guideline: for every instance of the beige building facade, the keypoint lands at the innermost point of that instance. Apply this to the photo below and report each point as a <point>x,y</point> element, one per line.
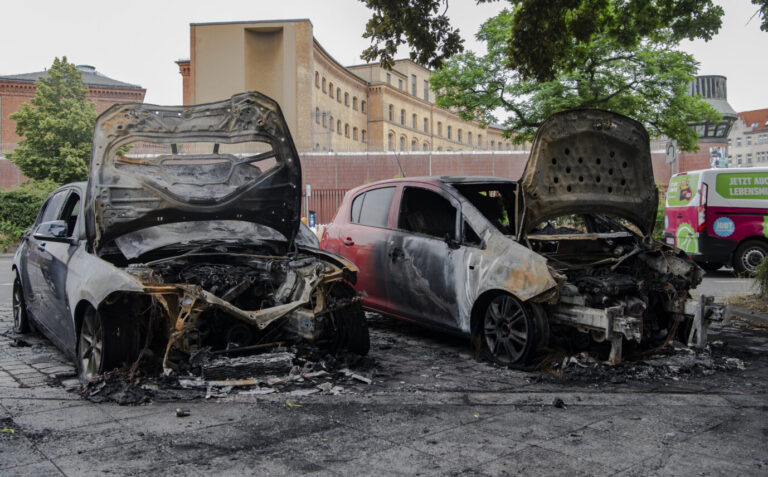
<point>328,107</point>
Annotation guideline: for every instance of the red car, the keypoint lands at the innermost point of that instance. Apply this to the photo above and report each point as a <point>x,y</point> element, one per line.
<point>566,248</point>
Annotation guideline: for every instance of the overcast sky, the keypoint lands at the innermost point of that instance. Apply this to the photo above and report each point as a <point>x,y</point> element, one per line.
<point>138,41</point>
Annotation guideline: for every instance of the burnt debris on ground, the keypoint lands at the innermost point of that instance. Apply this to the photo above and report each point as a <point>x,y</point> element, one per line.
<point>288,370</point>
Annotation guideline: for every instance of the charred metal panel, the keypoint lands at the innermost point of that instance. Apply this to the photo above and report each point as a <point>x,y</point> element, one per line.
<point>589,161</point>
<point>128,193</point>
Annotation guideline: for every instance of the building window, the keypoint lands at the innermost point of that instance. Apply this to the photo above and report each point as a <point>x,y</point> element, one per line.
<point>346,99</point>
<point>425,147</point>
<point>469,138</point>
<point>426,90</point>
<point>338,127</point>
<point>500,146</point>
<point>493,143</point>
<point>330,122</point>
<point>389,78</point>
<point>413,121</point>
<point>439,148</point>
<point>449,132</point>
<point>317,115</point>
<point>458,135</point>
<point>749,140</point>
<point>354,134</point>
<point>324,85</point>
<point>330,90</point>
<point>439,129</point>
<point>354,103</point>
<point>391,113</point>
<point>738,142</point>
<point>507,146</point>
<point>749,157</point>
<point>402,143</point>
<point>390,141</point>
<point>362,106</point>
<point>480,140</point>
<point>362,135</point>
<point>738,159</point>
<point>324,123</point>
<point>317,79</point>
<point>338,94</point>
<point>413,144</point>
<point>402,117</point>
<point>346,130</point>
<point>426,125</point>
<point>399,83</point>
<point>413,85</point>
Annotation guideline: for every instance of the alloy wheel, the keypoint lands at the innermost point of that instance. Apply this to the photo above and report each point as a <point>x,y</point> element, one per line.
<point>506,329</point>
<point>91,345</point>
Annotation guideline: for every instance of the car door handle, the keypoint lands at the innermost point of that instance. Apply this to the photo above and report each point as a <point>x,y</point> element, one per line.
<point>348,241</point>
<point>41,246</point>
<point>679,216</point>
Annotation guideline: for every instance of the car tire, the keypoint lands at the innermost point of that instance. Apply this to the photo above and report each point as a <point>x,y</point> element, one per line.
<point>102,344</point>
<point>508,334</point>
<point>748,256</point>
<point>351,328</point>
<point>20,315</point>
<point>710,266</point>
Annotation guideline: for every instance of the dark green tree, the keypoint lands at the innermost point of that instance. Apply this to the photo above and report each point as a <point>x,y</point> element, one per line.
<point>646,81</point>
<point>56,128</point>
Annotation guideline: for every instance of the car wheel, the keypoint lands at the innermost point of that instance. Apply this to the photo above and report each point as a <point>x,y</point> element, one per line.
<point>508,333</point>
<point>90,345</point>
<point>748,256</point>
<point>20,317</point>
<point>351,327</point>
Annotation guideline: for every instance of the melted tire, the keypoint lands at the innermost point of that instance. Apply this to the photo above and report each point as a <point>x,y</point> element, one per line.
<point>351,328</point>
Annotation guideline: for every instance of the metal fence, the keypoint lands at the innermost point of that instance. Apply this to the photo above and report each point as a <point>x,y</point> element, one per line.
<point>324,202</point>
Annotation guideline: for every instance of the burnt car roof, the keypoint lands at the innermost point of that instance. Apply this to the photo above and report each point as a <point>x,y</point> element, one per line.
<point>130,191</point>
<point>590,161</point>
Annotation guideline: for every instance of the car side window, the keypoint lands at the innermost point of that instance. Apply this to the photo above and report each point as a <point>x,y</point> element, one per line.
<point>427,212</point>
<point>469,236</point>
<point>372,207</point>
<point>52,206</point>
<point>71,212</point>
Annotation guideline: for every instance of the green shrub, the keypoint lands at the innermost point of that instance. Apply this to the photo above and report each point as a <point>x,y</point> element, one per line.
<point>18,209</point>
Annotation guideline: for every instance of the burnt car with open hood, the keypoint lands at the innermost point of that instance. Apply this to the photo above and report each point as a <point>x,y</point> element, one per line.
<point>186,236</point>
<point>565,253</point>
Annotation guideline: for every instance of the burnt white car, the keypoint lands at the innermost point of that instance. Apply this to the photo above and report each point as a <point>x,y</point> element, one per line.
<point>184,237</point>
<point>565,253</point>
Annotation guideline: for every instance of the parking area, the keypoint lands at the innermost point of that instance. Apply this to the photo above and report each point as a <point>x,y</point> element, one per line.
<point>431,409</point>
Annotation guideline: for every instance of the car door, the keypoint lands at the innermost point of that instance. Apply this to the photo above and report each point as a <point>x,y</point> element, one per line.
<point>54,259</point>
<point>424,255</point>
<point>35,290</point>
<point>361,237</point>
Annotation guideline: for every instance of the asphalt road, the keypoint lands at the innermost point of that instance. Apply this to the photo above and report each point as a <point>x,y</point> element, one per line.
<point>721,283</point>
<point>430,409</point>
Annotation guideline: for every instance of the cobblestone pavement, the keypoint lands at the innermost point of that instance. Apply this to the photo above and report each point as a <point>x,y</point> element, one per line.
<point>431,410</point>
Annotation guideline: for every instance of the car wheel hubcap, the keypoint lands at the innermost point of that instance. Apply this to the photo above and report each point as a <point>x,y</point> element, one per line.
<point>91,345</point>
<point>752,258</point>
<point>506,329</point>
<point>17,305</point>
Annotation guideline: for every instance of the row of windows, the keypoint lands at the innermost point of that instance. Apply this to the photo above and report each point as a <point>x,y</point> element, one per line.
<point>760,157</point>
<point>329,88</point>
<point>760,139</point>
<point>326,121</point>
<point>414,83</point>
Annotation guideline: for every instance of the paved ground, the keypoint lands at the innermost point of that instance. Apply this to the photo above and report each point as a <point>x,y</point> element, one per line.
<point>431,410</point>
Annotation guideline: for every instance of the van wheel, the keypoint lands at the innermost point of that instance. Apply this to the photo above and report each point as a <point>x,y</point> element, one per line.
<point>748,256</point>
<point>508,334</point>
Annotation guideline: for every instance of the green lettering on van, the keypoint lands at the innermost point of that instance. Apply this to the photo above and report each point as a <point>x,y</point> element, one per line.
<point>743,185</point>
<point>682,189</point>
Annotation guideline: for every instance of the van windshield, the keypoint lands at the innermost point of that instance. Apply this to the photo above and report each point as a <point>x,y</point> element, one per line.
<point>683,190</point>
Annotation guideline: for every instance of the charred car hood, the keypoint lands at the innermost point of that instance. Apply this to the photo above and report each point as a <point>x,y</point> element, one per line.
<point>590,161</point>
<point>154,165</point>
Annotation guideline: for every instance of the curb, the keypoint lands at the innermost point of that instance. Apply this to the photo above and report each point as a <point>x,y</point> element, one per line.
<point>752,316</point>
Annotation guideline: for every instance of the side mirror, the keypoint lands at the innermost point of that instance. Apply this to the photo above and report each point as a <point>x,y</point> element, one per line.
<point>54,231</point>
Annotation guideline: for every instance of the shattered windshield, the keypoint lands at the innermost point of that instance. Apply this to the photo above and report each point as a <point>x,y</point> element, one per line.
<point>496,201</point>
<point>137,243</point>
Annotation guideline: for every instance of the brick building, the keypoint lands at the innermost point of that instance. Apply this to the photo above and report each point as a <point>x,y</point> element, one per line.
<point>329,107</point>
<point>18,89</point>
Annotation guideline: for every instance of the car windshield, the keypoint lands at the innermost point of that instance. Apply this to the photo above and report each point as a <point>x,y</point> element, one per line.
<point>137,243</point>
<point>496,201</point>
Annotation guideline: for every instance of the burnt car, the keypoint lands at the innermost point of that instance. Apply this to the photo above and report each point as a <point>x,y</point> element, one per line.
<point>566,252</point>
<point>183,238</point>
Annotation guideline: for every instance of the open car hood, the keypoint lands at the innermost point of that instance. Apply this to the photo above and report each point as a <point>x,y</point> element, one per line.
<point>230,160</point>
<point>590,161</point>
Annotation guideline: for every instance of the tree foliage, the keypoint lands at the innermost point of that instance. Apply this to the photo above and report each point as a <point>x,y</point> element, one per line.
<point>648,82</point>
<point>763,12</point>
<point>56,128</point>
